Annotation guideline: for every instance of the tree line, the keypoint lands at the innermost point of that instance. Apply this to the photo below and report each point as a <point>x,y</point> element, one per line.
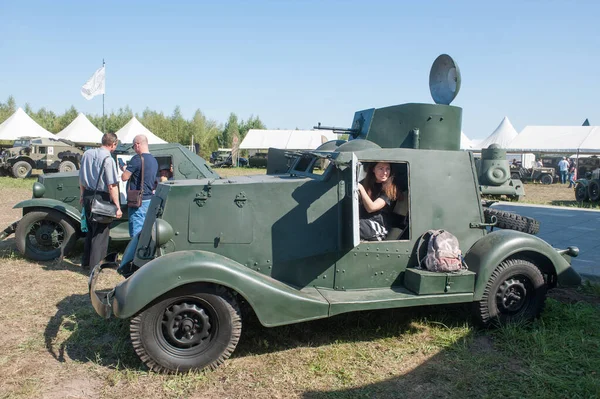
<point>174,128</point>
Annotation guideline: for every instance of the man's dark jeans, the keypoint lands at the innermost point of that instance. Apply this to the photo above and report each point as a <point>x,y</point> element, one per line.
<point>97,236</point>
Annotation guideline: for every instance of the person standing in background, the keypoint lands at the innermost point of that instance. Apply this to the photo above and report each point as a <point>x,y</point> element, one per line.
<point>133,172</point>
<point>96,238</point>
<point>563,167</point>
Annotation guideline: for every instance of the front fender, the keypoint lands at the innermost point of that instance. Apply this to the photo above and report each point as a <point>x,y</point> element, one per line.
<point>60,206</point>
<point>274,302</point>
<point>487,253</point>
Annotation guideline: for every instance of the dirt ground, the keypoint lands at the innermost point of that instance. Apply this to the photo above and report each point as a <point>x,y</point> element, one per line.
<point>43,352</point>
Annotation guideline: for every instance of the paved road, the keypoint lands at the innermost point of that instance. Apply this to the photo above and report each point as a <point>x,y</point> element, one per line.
<point>562,227</point>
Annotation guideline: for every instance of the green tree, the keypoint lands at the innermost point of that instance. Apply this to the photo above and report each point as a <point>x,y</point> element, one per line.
<point>205,132</point>
<point>8,108</point>
<point>231,129</point>
<point>251,123</point>
<point>64,120</point>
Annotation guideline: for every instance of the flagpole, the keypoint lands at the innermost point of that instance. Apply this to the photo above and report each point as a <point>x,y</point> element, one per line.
<point>103,117</point>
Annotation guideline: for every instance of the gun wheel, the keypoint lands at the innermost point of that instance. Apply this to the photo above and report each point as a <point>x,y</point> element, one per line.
<point>515,292</point>
<point>581,192</point>
<point>193,328</point>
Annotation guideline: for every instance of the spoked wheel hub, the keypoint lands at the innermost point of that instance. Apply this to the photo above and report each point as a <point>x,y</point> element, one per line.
<point>46,235</point>
<point>185,325</point>
<point>512,295</point>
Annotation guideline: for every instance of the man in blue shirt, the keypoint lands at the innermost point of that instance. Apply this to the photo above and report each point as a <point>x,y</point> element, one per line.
<point>133,172</point>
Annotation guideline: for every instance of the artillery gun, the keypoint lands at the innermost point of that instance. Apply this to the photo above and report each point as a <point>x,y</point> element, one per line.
<point>288,245</point>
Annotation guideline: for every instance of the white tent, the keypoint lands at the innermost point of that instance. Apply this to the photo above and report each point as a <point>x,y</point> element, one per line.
<point>465,142</point>
<point>504,134</point>
<point>20,124</point>
<point>81,130</point>
<point>558,139</point>
<point>259,139</point>
<point>128,132</point>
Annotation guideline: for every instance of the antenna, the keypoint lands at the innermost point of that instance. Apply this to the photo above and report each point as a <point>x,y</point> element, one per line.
<point>444,80</point>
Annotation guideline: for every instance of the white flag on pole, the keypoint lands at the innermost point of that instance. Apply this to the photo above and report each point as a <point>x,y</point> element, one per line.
<point>94,86</point>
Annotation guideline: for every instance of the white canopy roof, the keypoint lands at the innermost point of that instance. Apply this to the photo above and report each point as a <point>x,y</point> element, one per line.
<point>21,125</point>
<point>128,132</point>
<point>504,134</point>
<point>465,142</point>
<point>81,130</point>
<point>259,139</point>
<point>585,139</point>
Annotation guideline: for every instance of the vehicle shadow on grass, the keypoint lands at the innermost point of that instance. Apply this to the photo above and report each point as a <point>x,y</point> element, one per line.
<point>72,262</point>
<point>76,332</point>
<point>346,328</point>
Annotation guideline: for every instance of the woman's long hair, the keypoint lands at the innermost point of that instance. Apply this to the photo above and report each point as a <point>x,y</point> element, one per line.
<point>389,188</point>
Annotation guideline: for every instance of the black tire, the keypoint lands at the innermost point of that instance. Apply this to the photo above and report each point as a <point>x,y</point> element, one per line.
<point>45,235</point>
<point>515,292</point>
<point>515,176</point>
<point>594,190</point>
<point>581,192</point>
<point>67,166</point>
<point>21,169</point>
<point>210,311</point>
<point>512,221</point>
<point>546,179</point>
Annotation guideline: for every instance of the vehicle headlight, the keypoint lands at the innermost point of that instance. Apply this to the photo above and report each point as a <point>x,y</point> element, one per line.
<point>162,232</point>
<point>38,190</point>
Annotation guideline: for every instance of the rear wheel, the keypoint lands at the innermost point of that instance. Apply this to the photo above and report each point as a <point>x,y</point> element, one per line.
<point>581,192</point>
<point>546,179</point>
<point>45,235</point>
<point>67,166</point>
<point>515,292</point>
<point>21,169</point>
<point>512,221</point>
<point>196,327</point>
<point>594,190</point>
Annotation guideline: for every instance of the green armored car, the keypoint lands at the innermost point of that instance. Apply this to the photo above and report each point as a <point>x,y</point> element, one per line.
<point>288,244</point>
<point>51,223</point>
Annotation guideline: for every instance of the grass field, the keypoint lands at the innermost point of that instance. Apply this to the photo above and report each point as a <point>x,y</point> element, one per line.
<point>53,345</point>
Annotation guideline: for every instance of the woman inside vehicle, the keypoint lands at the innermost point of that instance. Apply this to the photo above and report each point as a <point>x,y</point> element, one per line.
<point>377,193</point>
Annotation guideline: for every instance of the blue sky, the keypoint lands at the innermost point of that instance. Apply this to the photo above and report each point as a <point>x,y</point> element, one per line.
<point>296,63</point>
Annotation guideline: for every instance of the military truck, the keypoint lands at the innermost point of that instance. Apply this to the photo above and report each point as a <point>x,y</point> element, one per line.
<point>288,245</point>
<point>50,155</point>
<point>51,222</point>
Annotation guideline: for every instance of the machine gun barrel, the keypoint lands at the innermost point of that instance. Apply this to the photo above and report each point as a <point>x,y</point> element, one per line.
<point>336,129</point>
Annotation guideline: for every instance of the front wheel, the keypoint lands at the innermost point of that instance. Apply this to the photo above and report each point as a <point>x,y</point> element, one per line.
<point>515,292</point>
<point>21,169</point>
<point>45,235</point>
<point>195,327</point>
<point>546,179</point>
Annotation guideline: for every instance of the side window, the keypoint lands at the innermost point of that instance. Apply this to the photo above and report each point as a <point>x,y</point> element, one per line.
<point>41,150</point>
<point>165,168</point>
<point>384,215</point>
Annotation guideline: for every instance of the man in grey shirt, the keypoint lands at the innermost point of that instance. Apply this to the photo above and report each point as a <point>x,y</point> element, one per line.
<point>96,239</point>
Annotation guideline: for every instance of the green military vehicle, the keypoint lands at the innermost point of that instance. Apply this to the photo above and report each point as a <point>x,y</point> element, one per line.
<point>288,244</point>
<point>49,155</point>
<point>51,223</point>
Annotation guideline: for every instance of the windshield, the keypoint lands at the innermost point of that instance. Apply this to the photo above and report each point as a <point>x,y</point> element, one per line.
<point>22,143</point>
